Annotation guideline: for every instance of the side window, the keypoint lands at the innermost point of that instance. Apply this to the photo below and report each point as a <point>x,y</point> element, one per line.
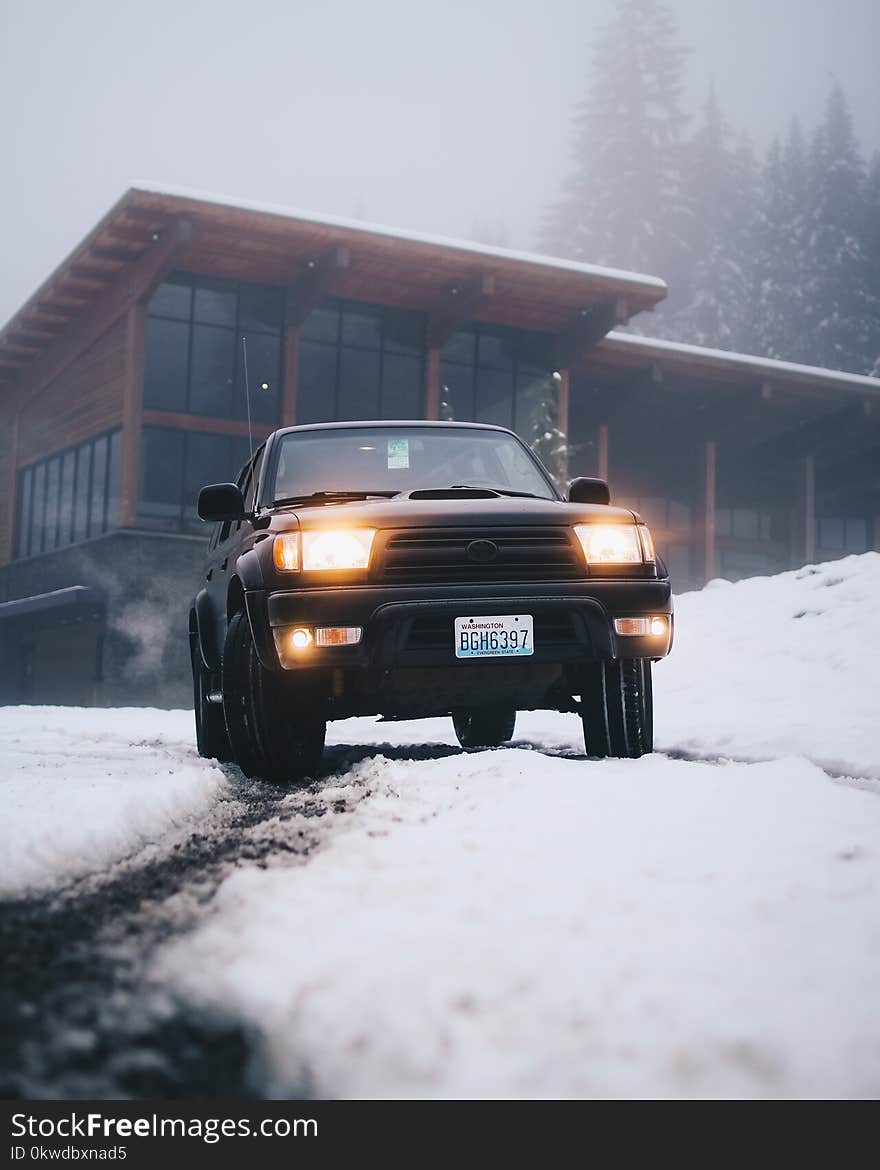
<point>253,481</point>
<point>242,481</point>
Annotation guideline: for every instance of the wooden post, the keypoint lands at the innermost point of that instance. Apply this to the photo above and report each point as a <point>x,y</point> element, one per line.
<point>562,401</point>
<point>432,383</point>
<point>603,452</point>
<point>288,389</point>
<point>809,509</point>
<point>709,513</point>
<point>132,416</point>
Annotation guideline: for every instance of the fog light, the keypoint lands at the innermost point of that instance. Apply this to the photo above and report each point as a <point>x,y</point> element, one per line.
<point>640,627</point>
<point>301,638</point>
<point>631,626</point>
<point>338,635</point>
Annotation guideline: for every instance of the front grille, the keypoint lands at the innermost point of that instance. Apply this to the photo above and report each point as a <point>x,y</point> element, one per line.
<point>524,554</point>
<point>552,629</point>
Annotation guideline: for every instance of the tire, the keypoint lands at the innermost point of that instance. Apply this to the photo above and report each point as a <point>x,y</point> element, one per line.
<point>275,729</point>
<point>617,708</point>
<point>211,737</point>
<point>483,727</point>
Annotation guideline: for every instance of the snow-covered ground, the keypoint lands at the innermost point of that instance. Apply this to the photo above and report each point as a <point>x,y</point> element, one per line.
<point>81,789</point>
<point>528,922</point>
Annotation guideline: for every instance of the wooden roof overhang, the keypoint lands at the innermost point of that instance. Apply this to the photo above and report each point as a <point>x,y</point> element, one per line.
<point>148,231</point>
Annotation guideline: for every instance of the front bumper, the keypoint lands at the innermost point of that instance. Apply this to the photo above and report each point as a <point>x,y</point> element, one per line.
<point>412,626</point>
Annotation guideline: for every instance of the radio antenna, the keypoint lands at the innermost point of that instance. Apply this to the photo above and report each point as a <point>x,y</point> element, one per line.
<point>247,394</point>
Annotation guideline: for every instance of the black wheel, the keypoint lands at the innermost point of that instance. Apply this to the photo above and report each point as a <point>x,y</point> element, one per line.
<point>483,727</point>
<point>617,707</point>
<point>275,728</point>
<point>211,738</point>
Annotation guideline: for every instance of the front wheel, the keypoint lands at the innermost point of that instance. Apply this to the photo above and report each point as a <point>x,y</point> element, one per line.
<point>275,727</point>
<point>483,727</point>
<point>211,737</point>
<point>617,708</point>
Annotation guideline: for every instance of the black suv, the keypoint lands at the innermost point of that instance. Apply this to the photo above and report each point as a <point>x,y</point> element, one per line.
<point>414,569</point>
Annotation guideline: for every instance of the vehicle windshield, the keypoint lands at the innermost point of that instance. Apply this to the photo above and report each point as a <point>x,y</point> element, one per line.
<point>392,459</point>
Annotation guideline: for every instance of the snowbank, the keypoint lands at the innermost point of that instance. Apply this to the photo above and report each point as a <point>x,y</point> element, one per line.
<point>81,789</point>
<point>508,924</point>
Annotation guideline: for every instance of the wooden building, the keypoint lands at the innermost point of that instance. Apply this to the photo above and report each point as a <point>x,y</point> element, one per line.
<point>121,393</point>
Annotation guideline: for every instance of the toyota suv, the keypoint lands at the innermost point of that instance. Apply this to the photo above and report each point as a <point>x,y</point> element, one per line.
<point>415,569</point>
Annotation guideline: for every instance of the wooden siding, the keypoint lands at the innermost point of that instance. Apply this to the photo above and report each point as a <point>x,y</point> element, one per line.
<point>84,400</point>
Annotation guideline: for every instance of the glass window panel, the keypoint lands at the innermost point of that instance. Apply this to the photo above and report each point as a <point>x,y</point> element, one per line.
<point>65,510</point>
<point>208,460</point>
<point>532,389</point>
<point>358,385</point>
<point>722,521</point>
<point>679,515</point>
<point>99,486</point>
<point>362,327</point>
<point>215,302</point>
<point>173,298</point>
<point>831,532</point>
<point>856,535</point>
<point>253,480</point>
<point>403,394</point>
<point>25,487</point>
<point>536,349</point>
<point>161,478</point>
<point>495,397</point>
<point>745,524</point>
<point>461,347</point>
<point>457,390</point>
<point>765,526</point>
<point>39,508</point>
<point>315,383</point>
<point>404,331</point>
<point>53,486</point>
<point>261,307</point>
<point>166,360</point>
<point>496,348</point>
<point>322,324</point>
<point>264,375</point>
<point>113,481</point>
<point>81,491</point>
<point>213,363</point>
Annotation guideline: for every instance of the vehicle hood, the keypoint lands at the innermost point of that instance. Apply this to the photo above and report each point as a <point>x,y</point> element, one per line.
<point>448,512</point>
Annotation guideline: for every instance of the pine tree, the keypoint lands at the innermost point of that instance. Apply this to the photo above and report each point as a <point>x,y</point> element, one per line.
<point>720,182</point>
<point>621,205</point>
<point>782,251</point>
<point>840,309</point>
<point>548,442</point>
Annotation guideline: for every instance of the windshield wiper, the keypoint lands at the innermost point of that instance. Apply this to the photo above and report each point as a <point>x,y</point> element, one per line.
<point>329,497</point>
<point>470,487</point>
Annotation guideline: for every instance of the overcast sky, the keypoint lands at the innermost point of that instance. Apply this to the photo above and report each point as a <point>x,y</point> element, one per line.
<point>424,115</point>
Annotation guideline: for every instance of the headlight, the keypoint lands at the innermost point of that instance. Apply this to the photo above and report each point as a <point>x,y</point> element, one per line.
<point>285,552</point>
<point>337,548</point>
<point>612,544</point>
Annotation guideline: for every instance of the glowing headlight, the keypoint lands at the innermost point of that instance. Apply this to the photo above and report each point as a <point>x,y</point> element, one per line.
<point>337,549</point>
<point>610,544</point>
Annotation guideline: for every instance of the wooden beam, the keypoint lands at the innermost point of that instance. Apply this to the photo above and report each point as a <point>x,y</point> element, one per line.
<point>133,284</point>
<point>177,420</point>
<point>321,278</point>
<point>132,417</point>
<point>587,330</point>
<point>460,304</point>
<point>809,496</point>
<point>288,390</point>
<point>432,383</point>
<point>709,510</point>
<point>602,471</point>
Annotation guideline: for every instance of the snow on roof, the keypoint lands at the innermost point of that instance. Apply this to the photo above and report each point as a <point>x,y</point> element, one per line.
<point>741,360</point>
<point>355,225</point>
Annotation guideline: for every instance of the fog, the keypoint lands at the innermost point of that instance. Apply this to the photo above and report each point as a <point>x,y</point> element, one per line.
<point>431,116</point>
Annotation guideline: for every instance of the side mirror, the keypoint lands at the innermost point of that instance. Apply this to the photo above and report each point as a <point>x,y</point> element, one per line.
<point>589,491</point>
<point>221,501</point>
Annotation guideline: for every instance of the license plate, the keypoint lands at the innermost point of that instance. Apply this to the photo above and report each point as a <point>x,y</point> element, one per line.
<point>506,636</point>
